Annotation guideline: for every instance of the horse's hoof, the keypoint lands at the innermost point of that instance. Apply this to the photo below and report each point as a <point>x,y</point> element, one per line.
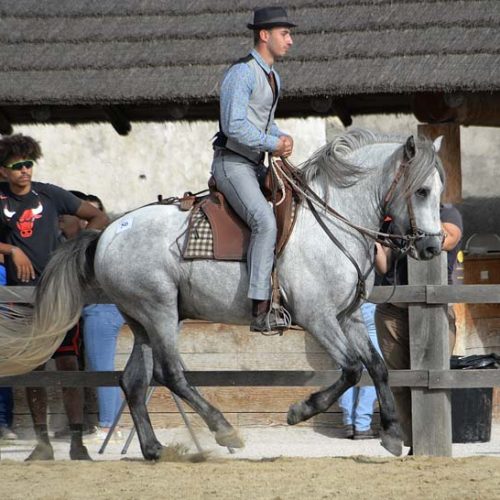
<point>392,444</point>
<point>229,439</point>
<point>153,451</point>
<point>296,413</point>
<point>42,451</point>
<point>79,453</point>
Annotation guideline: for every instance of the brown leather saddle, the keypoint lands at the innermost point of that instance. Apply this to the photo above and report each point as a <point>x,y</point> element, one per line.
<point>216,231</point>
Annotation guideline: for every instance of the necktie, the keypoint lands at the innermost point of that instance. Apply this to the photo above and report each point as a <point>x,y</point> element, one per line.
<point>272,82</point>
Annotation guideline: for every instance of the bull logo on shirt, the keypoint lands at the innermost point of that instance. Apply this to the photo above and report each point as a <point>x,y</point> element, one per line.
<point>26,220</point>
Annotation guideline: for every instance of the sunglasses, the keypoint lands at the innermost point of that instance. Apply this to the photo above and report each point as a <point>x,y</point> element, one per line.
<point>18,165</point>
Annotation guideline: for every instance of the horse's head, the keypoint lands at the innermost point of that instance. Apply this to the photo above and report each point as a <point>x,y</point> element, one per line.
<point>414,197</point>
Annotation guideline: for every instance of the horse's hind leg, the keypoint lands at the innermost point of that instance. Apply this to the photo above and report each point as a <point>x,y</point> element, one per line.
<point>168,370</point>
<point>135,382</point>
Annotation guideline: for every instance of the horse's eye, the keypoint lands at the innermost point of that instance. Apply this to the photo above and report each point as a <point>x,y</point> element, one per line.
<point>422,193</point>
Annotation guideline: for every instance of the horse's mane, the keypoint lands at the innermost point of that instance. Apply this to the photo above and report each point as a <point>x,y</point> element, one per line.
<point>335,162</point>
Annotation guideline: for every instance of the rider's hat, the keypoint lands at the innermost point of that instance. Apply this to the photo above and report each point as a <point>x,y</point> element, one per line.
<point>270,17</point>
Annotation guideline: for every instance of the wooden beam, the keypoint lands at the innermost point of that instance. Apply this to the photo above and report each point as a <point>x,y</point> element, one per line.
<point>118,119</point>
<point>429,350</point>
<point>411,294</point>
<point>430,379</point>
<point>463,108</point>
<point>209,378</point>
<point>5,125</point>
<point>458,294</point>
<point>462,379</point>
<point>450,157</point>
<point>178,111</point>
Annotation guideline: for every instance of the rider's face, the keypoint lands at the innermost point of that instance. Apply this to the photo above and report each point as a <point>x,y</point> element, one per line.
<point>279,40</point>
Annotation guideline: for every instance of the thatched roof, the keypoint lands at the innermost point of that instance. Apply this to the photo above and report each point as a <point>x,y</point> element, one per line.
<point>160,59</point>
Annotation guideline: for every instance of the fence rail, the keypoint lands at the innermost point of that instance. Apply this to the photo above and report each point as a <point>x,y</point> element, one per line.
<point>410,294</point>
<point>426,379</point>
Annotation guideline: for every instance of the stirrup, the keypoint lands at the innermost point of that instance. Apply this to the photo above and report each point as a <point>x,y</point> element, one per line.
<point>274,322</point>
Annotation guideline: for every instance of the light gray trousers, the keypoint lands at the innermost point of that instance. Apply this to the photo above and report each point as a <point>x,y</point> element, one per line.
<point>239,181</point>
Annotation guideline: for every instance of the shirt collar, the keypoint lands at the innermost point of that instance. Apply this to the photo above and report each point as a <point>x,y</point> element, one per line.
<point>261,61</point>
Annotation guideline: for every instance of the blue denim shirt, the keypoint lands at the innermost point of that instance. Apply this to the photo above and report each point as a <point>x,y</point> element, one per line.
<point>236,89</point>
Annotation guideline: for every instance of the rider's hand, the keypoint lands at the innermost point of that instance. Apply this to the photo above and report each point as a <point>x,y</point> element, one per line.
<point>285,146</point>
<point>24,267</point>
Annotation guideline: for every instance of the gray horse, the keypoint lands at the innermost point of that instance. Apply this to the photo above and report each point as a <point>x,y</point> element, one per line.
<point>137,262</point>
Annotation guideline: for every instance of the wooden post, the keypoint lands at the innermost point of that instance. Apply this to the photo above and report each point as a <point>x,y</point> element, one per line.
<point>429,350</point>
<point>450,156</point>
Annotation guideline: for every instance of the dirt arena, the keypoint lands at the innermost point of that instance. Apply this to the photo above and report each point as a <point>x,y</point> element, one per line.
<point>276,463</point>
<point>282,478</point>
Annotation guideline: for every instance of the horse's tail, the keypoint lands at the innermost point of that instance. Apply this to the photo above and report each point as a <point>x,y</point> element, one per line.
<point>30,335</point>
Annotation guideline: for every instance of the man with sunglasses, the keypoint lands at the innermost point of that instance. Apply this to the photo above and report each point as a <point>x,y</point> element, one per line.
<point>29,233</point>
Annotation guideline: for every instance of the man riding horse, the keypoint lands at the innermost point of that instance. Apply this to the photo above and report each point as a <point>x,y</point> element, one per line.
<point>248,99</point>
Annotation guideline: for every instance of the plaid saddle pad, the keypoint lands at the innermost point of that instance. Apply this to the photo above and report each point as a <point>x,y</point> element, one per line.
<point>200,240</point>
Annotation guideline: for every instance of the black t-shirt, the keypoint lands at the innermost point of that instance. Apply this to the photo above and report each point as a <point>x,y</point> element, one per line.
<point>448,213</point>
<point>30,222</point>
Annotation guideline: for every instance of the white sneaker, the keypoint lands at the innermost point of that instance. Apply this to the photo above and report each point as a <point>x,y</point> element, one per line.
<point>7,433</point>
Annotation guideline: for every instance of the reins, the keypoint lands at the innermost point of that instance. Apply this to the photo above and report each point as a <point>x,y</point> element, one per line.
<point>389,240</point>
<point>386,239</point>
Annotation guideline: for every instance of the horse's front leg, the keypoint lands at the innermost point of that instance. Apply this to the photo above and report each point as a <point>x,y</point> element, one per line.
<point>335,343</point>
<point>320,401</point>
<point>135,383</point>
<point>357,334</point>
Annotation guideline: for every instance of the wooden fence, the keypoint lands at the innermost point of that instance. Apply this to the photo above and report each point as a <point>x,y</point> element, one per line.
<point>430,379</point>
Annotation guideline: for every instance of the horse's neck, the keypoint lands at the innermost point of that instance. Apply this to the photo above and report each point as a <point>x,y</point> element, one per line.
<point>365,199</point>
<point>359,203</point>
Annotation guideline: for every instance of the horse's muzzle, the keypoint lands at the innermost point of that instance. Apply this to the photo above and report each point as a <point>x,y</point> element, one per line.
<point>428,247</point>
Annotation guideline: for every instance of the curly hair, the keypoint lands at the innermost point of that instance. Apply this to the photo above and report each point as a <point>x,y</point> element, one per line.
<point>18,146</point>
<point>92,198</point>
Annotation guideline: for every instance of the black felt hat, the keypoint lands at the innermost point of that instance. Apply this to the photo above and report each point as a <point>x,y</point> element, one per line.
<point>270,17</point>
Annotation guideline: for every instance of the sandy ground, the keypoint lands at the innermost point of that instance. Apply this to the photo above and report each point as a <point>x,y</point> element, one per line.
<point>277,463</point>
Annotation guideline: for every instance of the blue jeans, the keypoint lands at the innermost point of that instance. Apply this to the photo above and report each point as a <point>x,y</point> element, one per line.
<point>357,403</point>
<point>6,406</point>
<point>239,181</point>
<point>6,396</point>
<point>101,325</point>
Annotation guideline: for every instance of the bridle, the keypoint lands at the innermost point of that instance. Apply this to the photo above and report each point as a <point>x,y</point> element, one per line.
<point>410,239</point>
<point>403,244</point>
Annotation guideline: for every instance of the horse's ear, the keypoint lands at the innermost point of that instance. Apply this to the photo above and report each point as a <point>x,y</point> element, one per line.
<point>410,148</point>
<point>438,142</point>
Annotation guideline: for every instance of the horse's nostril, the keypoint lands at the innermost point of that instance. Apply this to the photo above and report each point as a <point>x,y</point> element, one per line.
<point>433,250</point>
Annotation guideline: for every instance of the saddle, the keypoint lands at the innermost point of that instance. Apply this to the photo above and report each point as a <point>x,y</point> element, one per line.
<point>215,231</point>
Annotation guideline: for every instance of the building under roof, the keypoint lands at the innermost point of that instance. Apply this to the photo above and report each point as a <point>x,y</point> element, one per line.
<point>125,60</point>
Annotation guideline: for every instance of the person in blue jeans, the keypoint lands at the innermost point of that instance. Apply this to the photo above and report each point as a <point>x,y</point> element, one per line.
<point>101,326</point>
<point>357,403</point>
<point>6,393</point>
